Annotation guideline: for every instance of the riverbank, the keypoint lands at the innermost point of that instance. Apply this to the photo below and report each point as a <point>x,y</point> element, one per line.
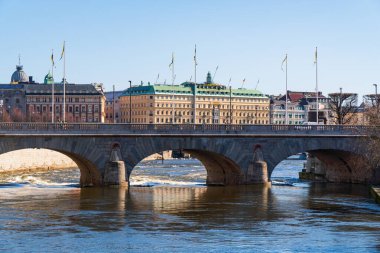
<point>33,160</point>
<point>375,192</point>
<point>20,171</point>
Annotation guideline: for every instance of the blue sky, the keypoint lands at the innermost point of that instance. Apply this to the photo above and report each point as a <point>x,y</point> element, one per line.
<point>116,41</point>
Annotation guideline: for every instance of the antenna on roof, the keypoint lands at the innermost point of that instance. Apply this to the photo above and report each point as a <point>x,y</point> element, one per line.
<point>242,83</point>
<point>191,77</point>
<point>257,84</point>
<point>158,77</point>
<point>19,59</point>
<point>215,73</point>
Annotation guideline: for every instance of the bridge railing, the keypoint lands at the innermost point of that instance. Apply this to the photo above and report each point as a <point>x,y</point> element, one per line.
<point>13,127</point>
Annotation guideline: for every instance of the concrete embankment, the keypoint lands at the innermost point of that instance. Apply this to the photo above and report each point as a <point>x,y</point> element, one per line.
<point>33,160</point>
<point>375,191</point>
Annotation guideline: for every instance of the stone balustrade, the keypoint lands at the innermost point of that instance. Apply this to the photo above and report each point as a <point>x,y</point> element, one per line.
<point>173,129</point>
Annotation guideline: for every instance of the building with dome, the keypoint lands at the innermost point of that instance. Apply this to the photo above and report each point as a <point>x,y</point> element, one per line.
<point>19,76</point>
<point>25,100</point>
<point>212,104</point>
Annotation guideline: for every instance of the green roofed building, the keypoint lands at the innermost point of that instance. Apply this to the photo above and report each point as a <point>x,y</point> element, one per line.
<point>203,103</point>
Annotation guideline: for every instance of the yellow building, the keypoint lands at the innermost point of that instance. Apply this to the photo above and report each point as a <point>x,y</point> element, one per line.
<point>203,103</point>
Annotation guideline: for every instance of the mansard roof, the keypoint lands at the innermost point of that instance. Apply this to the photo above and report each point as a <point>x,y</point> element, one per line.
<point>188,89</point>
<point>70,89</point>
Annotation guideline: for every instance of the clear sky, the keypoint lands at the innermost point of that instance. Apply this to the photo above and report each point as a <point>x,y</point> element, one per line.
<point>116,41</point>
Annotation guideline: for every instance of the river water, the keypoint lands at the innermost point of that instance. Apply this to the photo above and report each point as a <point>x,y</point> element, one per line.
<point>47,212</point>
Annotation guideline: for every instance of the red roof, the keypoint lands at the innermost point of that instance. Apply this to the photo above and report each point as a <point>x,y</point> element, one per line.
<point>295,96</point>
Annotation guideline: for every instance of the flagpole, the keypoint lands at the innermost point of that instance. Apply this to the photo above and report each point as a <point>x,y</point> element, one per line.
<point>172,104</point>
<point>316,83</point>
<point>195,84</point>
<point>64,82</point>
<point>52,87</point>
<point>230,109</point>
<point>286,90</point>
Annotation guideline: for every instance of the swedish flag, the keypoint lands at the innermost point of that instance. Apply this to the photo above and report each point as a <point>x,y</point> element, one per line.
<point>63,51</point>
<point>52,59</point>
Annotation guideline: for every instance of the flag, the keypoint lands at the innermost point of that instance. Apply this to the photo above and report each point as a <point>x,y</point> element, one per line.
<point>316,56</point>
<point>63,51</point>
<point>244,80</point>
<point>172,60</point>
<point>195,55</point>
<point>52,59</point>
<point>285,60</point>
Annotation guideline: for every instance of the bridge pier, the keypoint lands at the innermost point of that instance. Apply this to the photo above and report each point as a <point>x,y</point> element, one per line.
<point>257,172</point>
<point>114,173</point>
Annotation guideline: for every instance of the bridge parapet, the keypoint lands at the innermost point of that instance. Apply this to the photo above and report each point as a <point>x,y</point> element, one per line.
<point>175,129</point>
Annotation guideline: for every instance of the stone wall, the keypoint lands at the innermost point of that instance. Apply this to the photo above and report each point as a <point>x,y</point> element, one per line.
<point>34,159</point>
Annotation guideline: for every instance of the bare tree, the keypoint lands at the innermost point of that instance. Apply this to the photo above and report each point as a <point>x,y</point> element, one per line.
<point>343,107</point>
<point>372,106</point>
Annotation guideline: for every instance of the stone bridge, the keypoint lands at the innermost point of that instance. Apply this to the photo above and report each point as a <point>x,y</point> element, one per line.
<point>232,154</point>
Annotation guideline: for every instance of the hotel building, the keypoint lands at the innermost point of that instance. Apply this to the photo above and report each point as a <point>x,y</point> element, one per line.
<point>188,103</point>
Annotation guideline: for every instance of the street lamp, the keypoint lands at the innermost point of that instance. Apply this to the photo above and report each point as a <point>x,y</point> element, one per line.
<point>340,109</point>
<point>376,99</point>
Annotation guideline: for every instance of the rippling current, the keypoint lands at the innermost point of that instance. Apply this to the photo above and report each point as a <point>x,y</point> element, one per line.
<point>47,212</point>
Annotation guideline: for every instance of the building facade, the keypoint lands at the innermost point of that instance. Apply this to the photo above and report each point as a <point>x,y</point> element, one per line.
<point>25,100</point>
<point>188,103</point>
<point>112,106</point>
<point>302,108</point>
<point>84,103</point>
<point>296,113</point>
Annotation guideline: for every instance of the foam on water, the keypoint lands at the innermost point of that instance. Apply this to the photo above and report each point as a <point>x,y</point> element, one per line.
<point>33,181</point>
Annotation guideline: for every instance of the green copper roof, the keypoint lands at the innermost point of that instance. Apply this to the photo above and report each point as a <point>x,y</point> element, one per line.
<point>187,89</point>
<point>48,79</point>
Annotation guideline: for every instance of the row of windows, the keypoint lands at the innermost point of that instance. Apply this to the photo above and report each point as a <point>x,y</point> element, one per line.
<point>170,105</point>
<point>58,108</point>
<point>188,113</point>
<point>60,99</point>
<point>290,115</point>
<point>200,121</point>
<point>201,98</point>
<point>290,122</point>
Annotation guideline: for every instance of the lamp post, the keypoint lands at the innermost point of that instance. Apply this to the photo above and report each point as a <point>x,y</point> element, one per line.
<point>1,110</point>
<point>376,99</point>
<point>340,108</point>
<point>130,102</point>
<point>375,88</point>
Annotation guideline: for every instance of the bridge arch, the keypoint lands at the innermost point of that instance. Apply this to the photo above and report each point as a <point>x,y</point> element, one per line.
<point>220,169</point>
<point>341,161</point>
<point>90,173</point>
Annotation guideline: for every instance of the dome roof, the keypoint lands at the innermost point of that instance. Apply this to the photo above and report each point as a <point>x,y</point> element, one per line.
<point>19,76</point>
